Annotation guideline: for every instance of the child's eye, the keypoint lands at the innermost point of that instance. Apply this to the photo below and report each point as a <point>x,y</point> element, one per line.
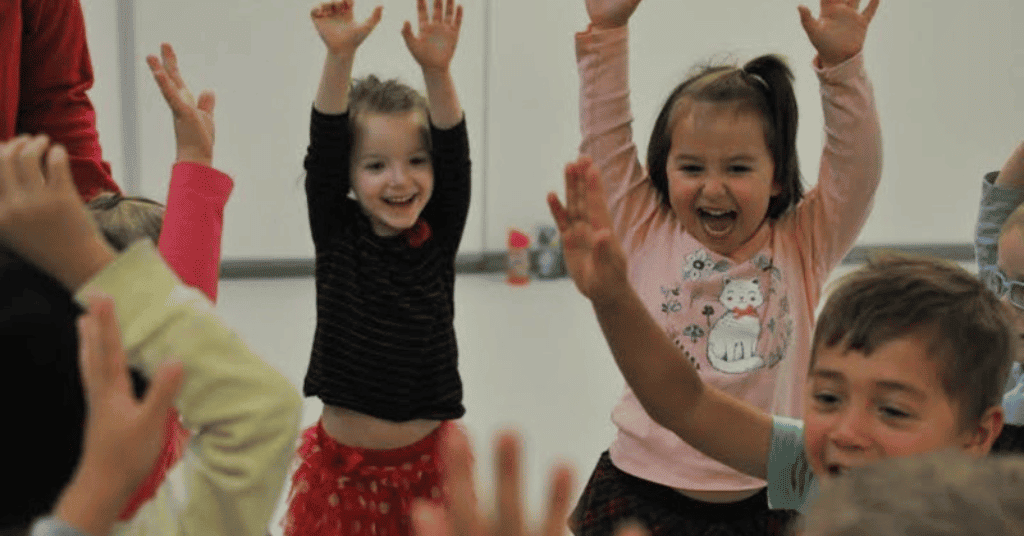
<point>739,169</point>
<point>890,412</point>
<point>691,169</point>
<point>825,399</point>
<point>374,166</point>
<point>419,161</point>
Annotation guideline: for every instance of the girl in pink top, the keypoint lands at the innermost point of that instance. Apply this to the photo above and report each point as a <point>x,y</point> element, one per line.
<point>725,248</point>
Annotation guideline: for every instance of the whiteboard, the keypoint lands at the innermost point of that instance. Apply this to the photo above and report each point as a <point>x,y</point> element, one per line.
<point>948,77</point>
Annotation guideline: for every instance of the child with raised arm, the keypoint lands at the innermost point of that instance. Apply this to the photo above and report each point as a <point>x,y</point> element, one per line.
<point>908,356</point>
<point>245,413</point>
<point>387,186</point>
<point>728,253</point>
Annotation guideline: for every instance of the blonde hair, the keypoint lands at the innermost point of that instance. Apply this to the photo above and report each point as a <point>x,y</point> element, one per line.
<point>124,220</point>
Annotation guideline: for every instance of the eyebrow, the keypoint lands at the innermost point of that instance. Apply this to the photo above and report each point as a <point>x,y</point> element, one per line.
<point>885,385</point>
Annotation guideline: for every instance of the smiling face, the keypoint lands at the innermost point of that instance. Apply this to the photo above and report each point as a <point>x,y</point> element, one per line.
<point>392,175</point>
<point>890,404</point>
<point>720,173</point>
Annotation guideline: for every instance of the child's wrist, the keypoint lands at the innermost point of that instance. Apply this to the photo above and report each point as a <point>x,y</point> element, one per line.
<point>91,503</point>
<point>198,157</point>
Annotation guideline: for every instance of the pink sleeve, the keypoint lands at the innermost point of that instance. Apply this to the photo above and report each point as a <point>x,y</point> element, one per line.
<point>602,58</point>
<point>55,73</point>
<point>832,214</point>
<point>193,222</point>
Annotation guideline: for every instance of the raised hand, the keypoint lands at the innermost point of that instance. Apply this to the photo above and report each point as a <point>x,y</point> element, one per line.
<point>438,35</point>
<point>335,23</point>
<point>42,218</point>
<point>593,256</point>
<point>123,436</point>
<point>839,31</point>
<point>610,13</point>
<point>463,518</point>
<point>193,120</point>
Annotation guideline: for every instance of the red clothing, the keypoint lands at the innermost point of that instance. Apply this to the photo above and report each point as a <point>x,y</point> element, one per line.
<point>45,71</point>
<point>190,243</point>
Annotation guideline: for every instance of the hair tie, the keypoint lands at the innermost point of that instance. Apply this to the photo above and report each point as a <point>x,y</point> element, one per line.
<point>757,78</point>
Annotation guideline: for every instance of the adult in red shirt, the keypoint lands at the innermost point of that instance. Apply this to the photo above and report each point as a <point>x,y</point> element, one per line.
<point>45,71</point>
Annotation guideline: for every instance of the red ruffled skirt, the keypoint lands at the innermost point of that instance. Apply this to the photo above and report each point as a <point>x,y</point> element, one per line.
<point>175,441</point>
<point>338,489</point>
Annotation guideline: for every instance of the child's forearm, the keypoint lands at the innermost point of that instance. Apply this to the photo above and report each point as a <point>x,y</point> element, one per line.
<point>442,99</point>
<point>670,391</point>
<point>667,385</point>
<point>332,95</point>
<point>1012,173</point>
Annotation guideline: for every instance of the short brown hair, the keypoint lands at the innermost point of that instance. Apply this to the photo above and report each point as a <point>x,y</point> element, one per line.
<point>123,220</point>
<point>938,493</point>
<point>371,94</point>
<point>966,327</point>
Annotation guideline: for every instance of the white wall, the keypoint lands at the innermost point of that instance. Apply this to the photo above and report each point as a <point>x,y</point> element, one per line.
<point>947,78</point>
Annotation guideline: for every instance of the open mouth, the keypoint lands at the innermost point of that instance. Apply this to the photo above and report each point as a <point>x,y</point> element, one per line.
<point>717,222</point>
<point>402,201</point>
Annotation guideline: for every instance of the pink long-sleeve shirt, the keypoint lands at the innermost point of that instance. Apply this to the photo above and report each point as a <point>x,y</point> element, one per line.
<point>758,352</point>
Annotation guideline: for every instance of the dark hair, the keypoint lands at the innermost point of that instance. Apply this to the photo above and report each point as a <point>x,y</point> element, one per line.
<point>123,220</point>
<point>39,341</point>
<point>764,85</point>
<point>967,329</point>
<point>371,94</point>
<point>40,368</point>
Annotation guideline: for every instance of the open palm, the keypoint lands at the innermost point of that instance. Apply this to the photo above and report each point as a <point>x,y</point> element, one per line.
<point>438,34</point>
<point>337,27</point>
<point>193,119</point>
<point>839,31</point>
<point>593,256</point>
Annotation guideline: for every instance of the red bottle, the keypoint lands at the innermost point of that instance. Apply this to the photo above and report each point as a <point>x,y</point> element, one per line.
<point>518,258</point>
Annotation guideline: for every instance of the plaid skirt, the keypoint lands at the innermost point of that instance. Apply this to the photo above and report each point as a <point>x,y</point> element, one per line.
<point>342,490</point>
<point>613,497</point>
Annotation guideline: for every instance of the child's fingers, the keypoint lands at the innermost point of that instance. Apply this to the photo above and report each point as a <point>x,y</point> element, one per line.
<point>806,19</point>
<point>558,213</point>
<point>869,12</point>
<point>510,504</point>
<point>558,501</point>
<point>90,367</point>
<point>458,19</point>
<point>8,171</point>
<point>171,64</point>
<point>207,100</point>
<point>421,12</point>
<point>438,11</point>
<point>375,17</point>
<point>457,473</point>
<point>429,519</point>
<point>28,163</point>
<point>449,10</point>
<point>109,336</point>
<point>163,389</point>
<point>58,169</point>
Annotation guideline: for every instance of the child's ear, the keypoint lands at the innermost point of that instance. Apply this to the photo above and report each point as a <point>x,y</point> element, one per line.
<point>979,440</point>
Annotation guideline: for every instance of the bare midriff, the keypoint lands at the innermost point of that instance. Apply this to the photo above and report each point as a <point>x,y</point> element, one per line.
<point>355,429</point>
<point>719,496</point>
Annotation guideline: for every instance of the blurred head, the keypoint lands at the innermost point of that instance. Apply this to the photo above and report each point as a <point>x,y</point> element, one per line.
<point>909,356</point>
<point>123,220</point>
<point>938,494</point>
<point>41,388</point>
<point>391,168</point>
<point>722,154</point>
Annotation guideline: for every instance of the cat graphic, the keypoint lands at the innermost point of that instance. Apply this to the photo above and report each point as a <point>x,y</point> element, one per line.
<point>732,341</point>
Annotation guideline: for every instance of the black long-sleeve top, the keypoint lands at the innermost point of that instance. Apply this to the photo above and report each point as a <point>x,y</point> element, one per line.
<point>385,336</point>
